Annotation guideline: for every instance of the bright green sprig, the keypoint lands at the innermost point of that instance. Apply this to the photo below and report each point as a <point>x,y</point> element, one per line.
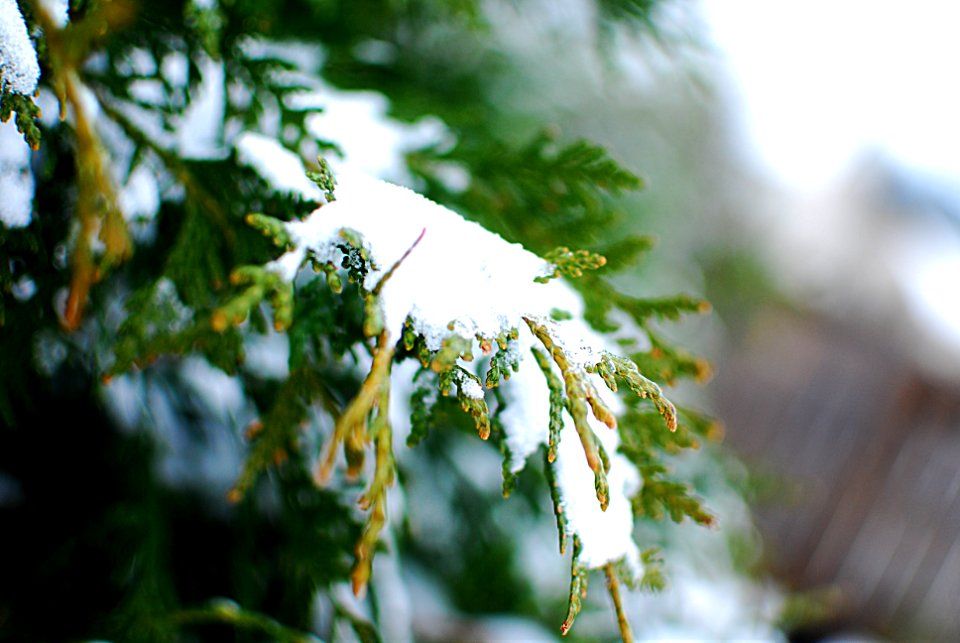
<point>505,337</point>
<point>550,470</point>
<point>356,258</point>
<point>452,349</point>
<point>601,301</point>
<point>330,271</point>
<point>507,183</point>
<point>415,344</point>
<point>659,494</point>
<point>557,403</point>
<point>324,178</point>
<point>476,408</point>
<point>158,322</point>
<point>579,575</point>
<point>503,362</point>
<point>643,445</point>
<point>613,366</point>
<point>670,308</point>
<point>272,228</point>
<point>259,283</point>
<point>27,115</point>
<point>580,395</point>
<point>571,264</point>
<point>510,477</point>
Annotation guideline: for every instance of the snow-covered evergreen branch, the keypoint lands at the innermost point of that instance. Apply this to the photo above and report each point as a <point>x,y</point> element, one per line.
<point>433,279</point>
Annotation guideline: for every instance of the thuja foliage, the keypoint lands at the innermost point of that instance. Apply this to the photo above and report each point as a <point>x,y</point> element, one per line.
<point>121,301</point>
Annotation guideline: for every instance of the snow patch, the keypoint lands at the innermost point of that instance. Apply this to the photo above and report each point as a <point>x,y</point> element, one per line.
<point>373,143</point>
<point>58,11</point>
<point>469,386</point>
<point>458,274</point>
<point>280,167</point>
<point>200,130</point>
<point>451,277</point>
<point>139,199</point>
<point>16,180</point>
<point>19,69</point>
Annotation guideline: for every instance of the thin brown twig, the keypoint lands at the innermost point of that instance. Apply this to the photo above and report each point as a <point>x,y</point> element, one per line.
<point>613,586</point>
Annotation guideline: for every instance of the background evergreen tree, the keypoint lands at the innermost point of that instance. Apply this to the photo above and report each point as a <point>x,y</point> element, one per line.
<point>165,397</point>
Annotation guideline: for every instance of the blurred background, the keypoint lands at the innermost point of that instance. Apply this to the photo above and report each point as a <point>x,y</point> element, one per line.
<point>802,173</point>
<point>806,157</point>
<point>831,250</point>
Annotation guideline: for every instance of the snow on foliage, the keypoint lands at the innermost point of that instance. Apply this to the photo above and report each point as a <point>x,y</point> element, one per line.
<point>16,180</point>
<point>280,167</point>
<point>447,277</point>
<point>458,274</point>
<point>19,69</point>
<point>58,11</point>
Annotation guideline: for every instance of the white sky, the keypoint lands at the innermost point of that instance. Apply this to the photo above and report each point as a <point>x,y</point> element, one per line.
<point>822,81</point>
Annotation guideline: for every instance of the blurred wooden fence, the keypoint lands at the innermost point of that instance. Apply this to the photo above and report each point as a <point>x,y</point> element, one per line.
<point>868,453</point>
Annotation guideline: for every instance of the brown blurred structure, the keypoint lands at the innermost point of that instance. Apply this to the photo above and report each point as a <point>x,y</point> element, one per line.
<point>868,450</point>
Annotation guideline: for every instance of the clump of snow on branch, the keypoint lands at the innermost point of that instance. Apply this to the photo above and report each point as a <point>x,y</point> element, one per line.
<point>19,69</point>
<point>446,276</point>
<point>605,535</point>
<point>458,274</point>
<point>16,180</point>
<point>470,387</point>
<point>357,122</point>
<point>372,142</point>
<point>280,167</point>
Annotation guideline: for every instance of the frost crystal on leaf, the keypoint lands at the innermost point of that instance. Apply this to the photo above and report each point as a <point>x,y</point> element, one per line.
<point>19,70</point>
